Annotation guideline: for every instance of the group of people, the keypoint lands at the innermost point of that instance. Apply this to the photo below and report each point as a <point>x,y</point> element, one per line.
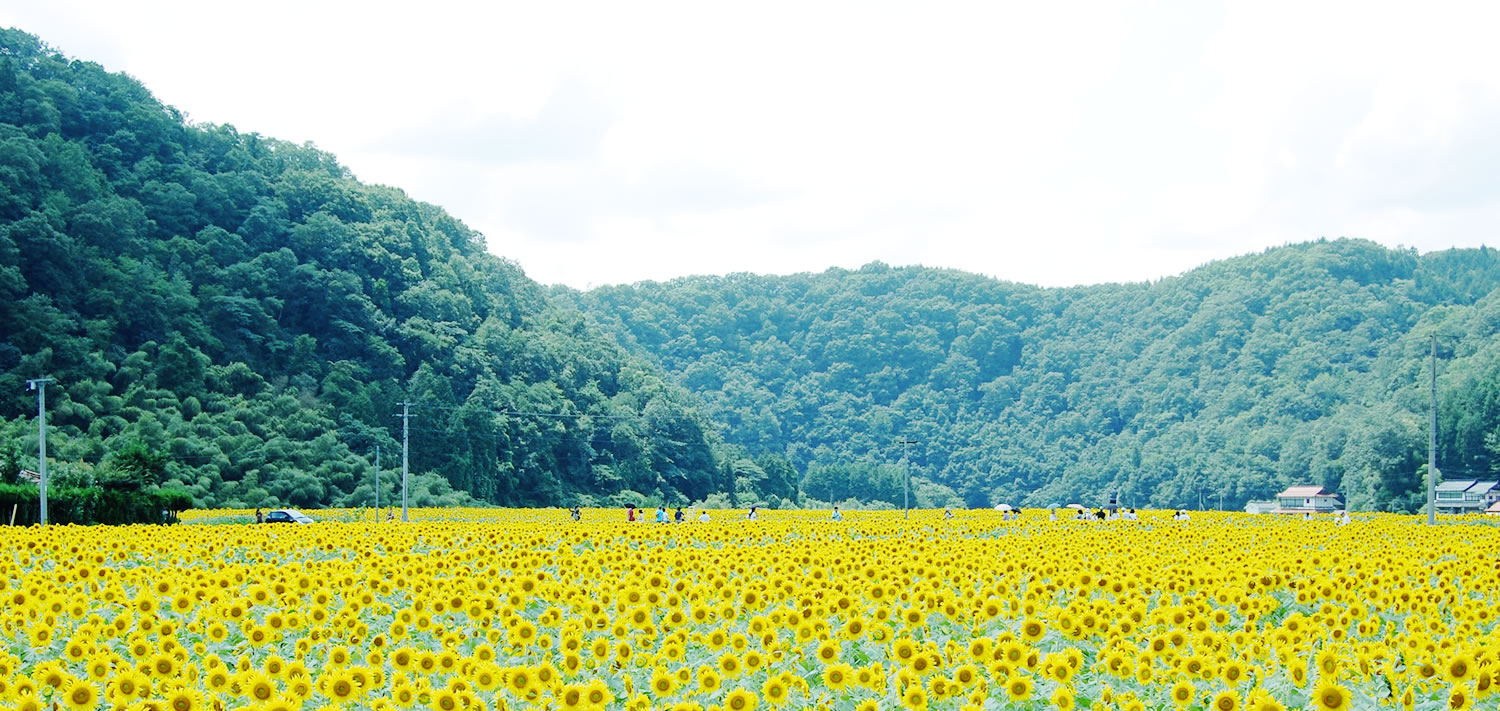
<point>1103,515</point>
<point>634,515</point>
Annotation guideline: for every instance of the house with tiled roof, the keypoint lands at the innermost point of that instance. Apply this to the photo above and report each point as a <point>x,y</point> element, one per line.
<point>1464,496</point>
<point>1307,499</point>
<point>1484,492</point>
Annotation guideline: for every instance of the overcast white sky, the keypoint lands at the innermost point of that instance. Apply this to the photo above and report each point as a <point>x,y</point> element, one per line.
<point>1054,143</point>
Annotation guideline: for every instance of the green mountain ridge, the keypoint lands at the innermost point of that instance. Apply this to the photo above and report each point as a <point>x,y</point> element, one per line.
<point>246,309</point>
<point>1303,364</point>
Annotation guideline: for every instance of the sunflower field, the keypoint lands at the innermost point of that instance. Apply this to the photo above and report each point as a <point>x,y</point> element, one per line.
<point>508,609</point>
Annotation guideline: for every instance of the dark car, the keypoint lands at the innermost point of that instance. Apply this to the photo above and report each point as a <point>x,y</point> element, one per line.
<point>287,516</point>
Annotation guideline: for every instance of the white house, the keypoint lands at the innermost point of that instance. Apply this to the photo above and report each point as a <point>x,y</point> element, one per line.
<point>1305,499</point>
<point>1261,506</point>
<point>1464,496</point>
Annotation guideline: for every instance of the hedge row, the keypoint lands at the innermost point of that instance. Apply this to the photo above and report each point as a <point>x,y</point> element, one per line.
<point>20,505</point>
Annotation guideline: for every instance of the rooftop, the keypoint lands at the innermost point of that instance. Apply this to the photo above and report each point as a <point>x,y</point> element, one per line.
<point>1304,492</point>
<point>1461,485</point>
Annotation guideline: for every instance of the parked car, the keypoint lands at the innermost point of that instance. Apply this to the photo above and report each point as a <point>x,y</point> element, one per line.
<point>287,516</point>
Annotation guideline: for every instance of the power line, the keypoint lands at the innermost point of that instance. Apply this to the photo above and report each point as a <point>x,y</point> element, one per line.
<point>533,413</point>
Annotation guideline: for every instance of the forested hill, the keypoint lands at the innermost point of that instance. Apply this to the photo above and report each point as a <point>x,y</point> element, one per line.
<point>1302,364</point>
<point>249,315</point>
<point>241,316</point>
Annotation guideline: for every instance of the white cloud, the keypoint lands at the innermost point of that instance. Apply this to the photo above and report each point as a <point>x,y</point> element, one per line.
<point>1041,142</point>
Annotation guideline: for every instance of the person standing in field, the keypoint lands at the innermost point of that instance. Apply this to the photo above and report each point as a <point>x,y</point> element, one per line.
<point>630,514</point>
<point>836,515</point>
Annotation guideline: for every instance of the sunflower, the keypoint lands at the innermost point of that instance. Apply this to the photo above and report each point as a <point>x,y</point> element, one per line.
<point>1062,699</point>
<point>1299,674</point>
<point>1182,693</point>
<point>915,697</point>
<point>99,667</point>
<point>740,700</point>
<point>903,650</point>
<point>1460,697</point>
<point>571,697</point>
<point>1032,630</point>
<point>339,686</point>
<point>51,675</point>
<point>1233,672</point>
<point>774,690</point>
<point>965,675</point>
<point>1328,663</point>
<point>521,681</point>
<point>708,680</point>
<point>1018,688</point>
<point>258,687</point>
<point>597,693</point>
<point>446,700</point>
<point>1331,697</point>
<point>125,686</point>
<point>837,676</point>
<point>828,652</point>
<point>183,700</point>
<point>1263,701</point>
<point>662,684</point>
<point>80,695</point>
<point>1459,667</point>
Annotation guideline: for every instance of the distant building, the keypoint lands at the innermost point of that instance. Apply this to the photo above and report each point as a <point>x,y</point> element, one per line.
<point>1466,496</point>
<point>1485,492</point>
<point>1260,507</point>
<point>1494,509</point>
<point>30,476</point>
<point>1307,499</point>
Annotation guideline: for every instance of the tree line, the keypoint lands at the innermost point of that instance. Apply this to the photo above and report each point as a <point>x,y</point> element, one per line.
<point>1303,364</point>
<point>249,312</point>
<point>247,309</point>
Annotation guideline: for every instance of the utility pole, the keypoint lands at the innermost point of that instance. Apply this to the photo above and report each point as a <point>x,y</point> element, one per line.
<point>1432,440</point>
<point>377,483</point>
<point>40,386</point>
<point>405,441</point>
<point>906,444</point>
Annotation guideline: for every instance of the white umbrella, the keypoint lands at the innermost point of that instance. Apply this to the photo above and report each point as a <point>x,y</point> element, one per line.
<point>1004,507</point>
<point>1075,506</point>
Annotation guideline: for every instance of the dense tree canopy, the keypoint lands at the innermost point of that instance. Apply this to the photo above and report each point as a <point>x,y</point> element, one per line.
<point>1303,364</point>
<point>241,314</point>
<point>239,317</point>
